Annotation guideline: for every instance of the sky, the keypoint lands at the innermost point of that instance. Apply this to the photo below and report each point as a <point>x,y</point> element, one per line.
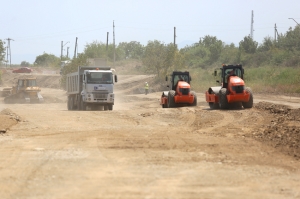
<point>40,26</point>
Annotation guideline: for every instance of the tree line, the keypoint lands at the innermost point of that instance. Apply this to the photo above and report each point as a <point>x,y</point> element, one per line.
<point>160,58</point>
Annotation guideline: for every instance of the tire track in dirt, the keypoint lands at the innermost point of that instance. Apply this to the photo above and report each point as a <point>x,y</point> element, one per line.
<point>29,172</point>
<point>209,120</point>
<point>229,123</point>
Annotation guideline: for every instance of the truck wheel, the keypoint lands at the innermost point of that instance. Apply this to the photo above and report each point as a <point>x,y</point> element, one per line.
<point>223,102</point>
<point>195,99</point>
<point>82,105</point>
<point>110,107</point>
<point>71,102</point>
<point>248,104</point>
<point>171,99</point>
<point>79,104</point>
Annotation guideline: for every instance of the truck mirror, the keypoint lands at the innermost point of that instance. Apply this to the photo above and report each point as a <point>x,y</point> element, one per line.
<point>116,78</point>
<point>190,78</point>
<point>166,78</point>
<point>243,71</point>
<point>215,73</point>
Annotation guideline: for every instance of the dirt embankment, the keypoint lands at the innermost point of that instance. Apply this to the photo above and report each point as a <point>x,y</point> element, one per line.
<point>283,132</point>
<point>44,80</point>
<point>8,119</point>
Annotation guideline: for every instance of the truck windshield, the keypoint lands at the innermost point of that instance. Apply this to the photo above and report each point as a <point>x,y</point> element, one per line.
<point>99,78</point>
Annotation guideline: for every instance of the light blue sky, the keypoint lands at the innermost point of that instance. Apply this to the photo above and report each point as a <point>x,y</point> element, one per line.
<point>39,26</point>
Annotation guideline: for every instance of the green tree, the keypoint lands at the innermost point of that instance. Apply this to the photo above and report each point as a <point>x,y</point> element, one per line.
<point>159,58</point>
<point>154,57</point>
<point>98,50</point>
<point>25,64</point>
<point>209,41</point>
<point>133,49</point>
<point>291,40</point>
<point>47,60</point>
<point>267,45</point>
<point>196,55</point>
<point>2,51</point>
<point>215,51</point>
<point>174,60</point>
<point>230,54</point>
<point>248,45</point>
<point>81,60</point>
<point>95,50</point>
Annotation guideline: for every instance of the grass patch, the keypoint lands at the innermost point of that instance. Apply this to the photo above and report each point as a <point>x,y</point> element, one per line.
<point>273,79</point>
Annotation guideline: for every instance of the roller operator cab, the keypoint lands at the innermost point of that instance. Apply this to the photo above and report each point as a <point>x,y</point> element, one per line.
<point>232,92</point>
<point>180,93</point>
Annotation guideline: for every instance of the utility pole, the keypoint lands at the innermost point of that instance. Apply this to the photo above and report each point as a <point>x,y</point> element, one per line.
<point>68,52</point>
<point>114,42</point>
<point>107,47</point>
<point>107,41</point>
<point>75,48</point>
<point>252,22</point>
<point>61,50</point>
<point>8,51</point>
<point>276,33</point>
<point>175,36</point>
<point>6,55</point>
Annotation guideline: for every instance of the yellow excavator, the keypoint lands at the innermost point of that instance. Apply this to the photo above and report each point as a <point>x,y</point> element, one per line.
<point>25,91</point>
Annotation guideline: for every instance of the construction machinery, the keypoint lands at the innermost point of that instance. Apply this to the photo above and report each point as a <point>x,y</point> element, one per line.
<point>5,92</point>
<point>91,88</point>
<point>180,93</point>
<point>25,91</point>
<point>232,92</point>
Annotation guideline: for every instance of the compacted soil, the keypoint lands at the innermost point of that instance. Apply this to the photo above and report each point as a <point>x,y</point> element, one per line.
<point>140,150</point>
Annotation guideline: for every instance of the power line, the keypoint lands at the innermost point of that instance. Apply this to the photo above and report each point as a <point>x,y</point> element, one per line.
<point>35,37</point>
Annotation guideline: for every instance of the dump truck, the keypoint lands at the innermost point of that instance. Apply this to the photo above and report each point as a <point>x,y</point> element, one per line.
<point>91,88</point>
<point>232,91</point>
<point>180,93</point>
<point>25,91</point>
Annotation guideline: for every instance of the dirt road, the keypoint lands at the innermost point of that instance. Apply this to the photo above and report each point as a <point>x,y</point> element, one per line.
<point>140,150</point>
